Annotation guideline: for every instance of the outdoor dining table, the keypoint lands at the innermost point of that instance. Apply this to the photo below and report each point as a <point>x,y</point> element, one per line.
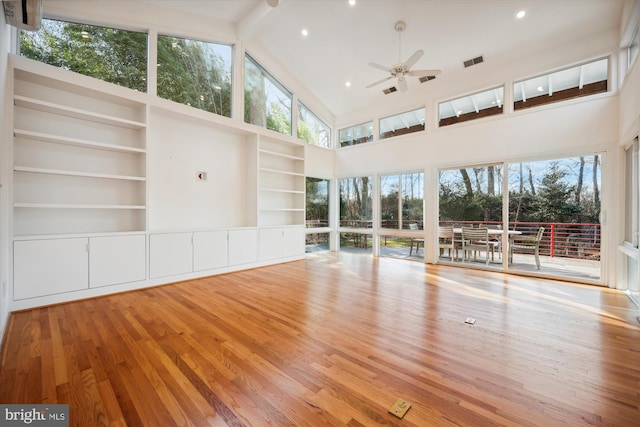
<point>495,232</point>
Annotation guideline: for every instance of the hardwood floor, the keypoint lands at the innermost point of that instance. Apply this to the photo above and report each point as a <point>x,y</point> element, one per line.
<point>330,341</point>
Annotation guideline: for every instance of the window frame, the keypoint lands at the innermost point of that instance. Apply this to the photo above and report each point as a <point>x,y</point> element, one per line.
<point>406,130</point>
<point>460,116</point>
<point>317,119</point>
<point>276,83</point>
<point>363,140</point>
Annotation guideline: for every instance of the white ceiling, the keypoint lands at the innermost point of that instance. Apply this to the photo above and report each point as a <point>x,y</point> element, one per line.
<point>343,39</point>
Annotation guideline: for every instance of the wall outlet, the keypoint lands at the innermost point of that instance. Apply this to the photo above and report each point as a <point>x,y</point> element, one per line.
<point>201,175</point>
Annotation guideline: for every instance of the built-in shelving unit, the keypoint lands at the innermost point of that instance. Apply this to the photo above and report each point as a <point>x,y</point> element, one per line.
<point>281,183</point>
<point>76,149</point>
<point>116,189</point>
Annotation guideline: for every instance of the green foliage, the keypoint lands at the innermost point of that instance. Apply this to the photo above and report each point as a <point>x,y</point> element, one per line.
<point>317,200</point>
<point>189,72</point>
<point>108,54</point>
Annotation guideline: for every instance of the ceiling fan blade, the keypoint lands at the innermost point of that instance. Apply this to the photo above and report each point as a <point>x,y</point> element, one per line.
<point>380,67</point>
<point>402,84</point>
<point>423,73</point>
<point>379,81</point>
<point>414,58</point>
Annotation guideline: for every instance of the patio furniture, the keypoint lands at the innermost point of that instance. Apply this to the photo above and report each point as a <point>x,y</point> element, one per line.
<point>446,240</point>
<point>475,240</point>
<point>415,240</point>
<point>527,244</point>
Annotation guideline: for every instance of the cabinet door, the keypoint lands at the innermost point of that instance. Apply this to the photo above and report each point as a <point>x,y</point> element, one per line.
<point>294,242</point>
<point>47,267</point>
<point>243,246</point>
<point>116,259</point>
<point>271,243</point>
<point>170,254</point>
<point>210,250</point>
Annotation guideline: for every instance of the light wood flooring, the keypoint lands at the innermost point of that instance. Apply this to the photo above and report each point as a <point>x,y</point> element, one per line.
<point>332,341</point>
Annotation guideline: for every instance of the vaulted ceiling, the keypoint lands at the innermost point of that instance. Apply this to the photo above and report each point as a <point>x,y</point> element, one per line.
<point>343,39</point>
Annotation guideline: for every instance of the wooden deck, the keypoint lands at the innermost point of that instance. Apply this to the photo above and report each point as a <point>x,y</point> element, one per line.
<point>334,340</point>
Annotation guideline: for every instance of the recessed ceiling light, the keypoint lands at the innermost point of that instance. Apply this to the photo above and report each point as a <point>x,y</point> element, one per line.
<point>348,84</point>
<point>521,14</point>
<point>304,32</point>
<point>540,89</point>
<point>352,2</point>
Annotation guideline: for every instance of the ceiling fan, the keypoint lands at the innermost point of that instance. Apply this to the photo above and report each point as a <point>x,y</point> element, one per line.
<point>403,69</point>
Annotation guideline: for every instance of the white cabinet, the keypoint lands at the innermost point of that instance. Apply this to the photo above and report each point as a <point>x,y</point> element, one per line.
<point>47,267</point>
<point>116,259</point>
<point>170,254</point>
<point>281,183</point>
<point>78,158</point>
<point>210,250</point>
<point>281,243</point>
<point>243,246</point>
<point>294,241</point>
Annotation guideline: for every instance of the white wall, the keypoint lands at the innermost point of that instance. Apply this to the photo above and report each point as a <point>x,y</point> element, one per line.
<point>5,161</point>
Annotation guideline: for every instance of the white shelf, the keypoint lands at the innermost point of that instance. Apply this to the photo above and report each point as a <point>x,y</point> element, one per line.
<point>276,154</point>
<point>76,142</point>
<point>281,172</point>
<point>280,190</point>
<point>49,107</point>
<point>75,206</point>
<point>77,173</point>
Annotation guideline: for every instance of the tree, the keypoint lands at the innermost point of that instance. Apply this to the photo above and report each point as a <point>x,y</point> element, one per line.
<point>109,54</point>
<point>554,201</point>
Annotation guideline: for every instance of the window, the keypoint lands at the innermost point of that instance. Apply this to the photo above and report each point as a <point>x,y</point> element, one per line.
<point>583,80</point>
<point>317,205</point>
<point>632,50</point>
<point>476,106</point>
<point>195,73</point>
<point>356,134</point>
<point>401,200</point>
<point>400,124</point>
<point>632,189</point>
<point>266,102</point>
<point>109,54</point>
<point>312,129</point>
<point>355,202</point>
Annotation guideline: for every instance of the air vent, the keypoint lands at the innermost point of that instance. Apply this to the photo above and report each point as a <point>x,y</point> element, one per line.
<point>473,61</point>
<point>390,90</point>
<point>426,78</point>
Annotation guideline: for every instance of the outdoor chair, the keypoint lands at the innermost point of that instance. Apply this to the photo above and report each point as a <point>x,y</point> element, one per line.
<point>446,240</point>
<point>415,240</point>
<point>475,240</point>
<point>527,244</point>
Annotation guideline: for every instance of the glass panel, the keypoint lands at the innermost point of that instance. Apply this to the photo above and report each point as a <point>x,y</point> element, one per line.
<point>195,73</point>
<point>399,212</point>
<point>402,247</point>
<point>266,102</point>
<point>400,124</point>
<point>355,202</point>
<point>582,80</point>
<point>316,242</point>
<point>317,209</point>
<point>561,197</point>
<point>312,129</point>
<point>356,134</point>
<point>356,242</point>
<point>471,197</point>
<point>109,54</point>
<point>631,188</point>
<point>476,106</point>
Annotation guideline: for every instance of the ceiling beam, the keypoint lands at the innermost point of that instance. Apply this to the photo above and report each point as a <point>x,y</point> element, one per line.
<point>550,85</point>
<point>581,77</point>
<point>247,25</point>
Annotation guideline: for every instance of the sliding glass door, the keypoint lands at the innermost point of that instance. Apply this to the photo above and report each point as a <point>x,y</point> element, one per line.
<point>471,197</point>
<point>554,206</point>
<point>552,227</point>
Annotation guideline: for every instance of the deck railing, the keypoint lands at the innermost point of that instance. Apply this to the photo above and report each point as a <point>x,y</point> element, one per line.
<point>568,240</point>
